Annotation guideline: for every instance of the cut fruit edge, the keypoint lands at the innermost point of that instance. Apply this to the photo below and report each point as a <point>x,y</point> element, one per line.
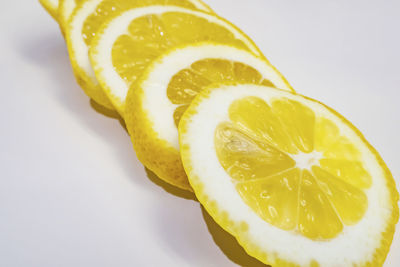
<point>100,52</point>
<point>149,112</point>
<point>365,246</point>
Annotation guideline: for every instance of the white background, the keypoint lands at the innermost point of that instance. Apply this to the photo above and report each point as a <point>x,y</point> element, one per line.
<point>72,192</point>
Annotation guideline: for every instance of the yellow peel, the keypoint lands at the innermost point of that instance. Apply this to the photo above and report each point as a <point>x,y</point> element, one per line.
<point>51,7</point>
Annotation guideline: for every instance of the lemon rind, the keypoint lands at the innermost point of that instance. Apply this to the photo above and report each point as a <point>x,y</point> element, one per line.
<point>102,44</point>
<point>78,53</point>
<point>240,229</point>
<point>165,161</point>
<point>65,10</point>
<point>51,7</point>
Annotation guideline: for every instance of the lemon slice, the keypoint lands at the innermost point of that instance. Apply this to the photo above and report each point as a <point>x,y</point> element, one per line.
<point>291,179</point>
<point>125,45</point>
<point>51,7</point>
<point>167,87</point>
<point>86,19</point>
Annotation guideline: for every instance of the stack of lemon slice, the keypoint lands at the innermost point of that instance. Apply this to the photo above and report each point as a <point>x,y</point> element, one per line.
<point>291,179</point>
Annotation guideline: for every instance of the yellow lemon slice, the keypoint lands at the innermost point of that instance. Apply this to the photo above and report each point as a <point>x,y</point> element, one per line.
<point>166,88</point>
<point>291,179</point>
<point>125,45</point>
<point>86,19</point>
<point>51,7</point>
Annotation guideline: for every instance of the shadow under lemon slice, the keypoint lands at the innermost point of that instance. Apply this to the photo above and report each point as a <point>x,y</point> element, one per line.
<point>229,245</point>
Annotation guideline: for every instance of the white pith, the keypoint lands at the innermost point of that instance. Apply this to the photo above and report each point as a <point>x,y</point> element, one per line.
<point>155,81</point>
<point>101,52</point>
<point>75,38</point>
<point>356,244</point>
<point>53,3</point>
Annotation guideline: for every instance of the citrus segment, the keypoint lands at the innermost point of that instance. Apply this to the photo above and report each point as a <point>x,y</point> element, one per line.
<point>265,196</point>
<point>245,157</point>
<point>349,201</point>
<point>246,113</point>
<point>351,171</point>
<point>298,122</point>
<point>316,217</point>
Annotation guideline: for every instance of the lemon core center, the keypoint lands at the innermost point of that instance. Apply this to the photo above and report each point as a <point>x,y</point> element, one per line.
<point>307,160</point>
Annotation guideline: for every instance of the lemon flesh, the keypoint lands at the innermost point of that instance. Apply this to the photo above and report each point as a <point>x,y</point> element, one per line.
<point>106,9</point>
<point>188,82</point>
<point>271,151</point>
